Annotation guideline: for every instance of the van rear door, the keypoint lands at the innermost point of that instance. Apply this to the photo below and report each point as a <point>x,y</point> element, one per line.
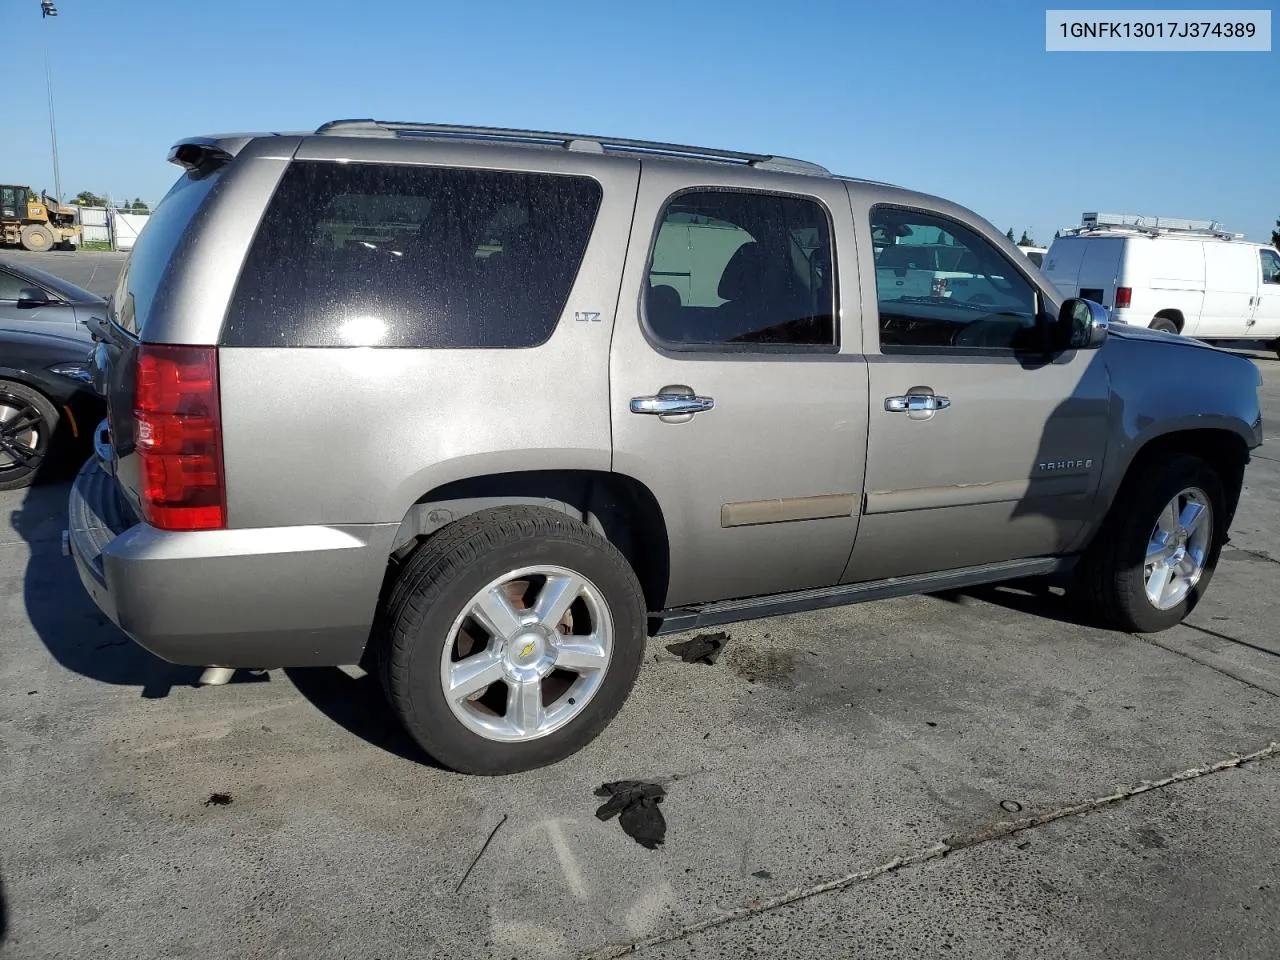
<point>1061,264</point>
<point>1100,269</point>
<point>1085,267</point>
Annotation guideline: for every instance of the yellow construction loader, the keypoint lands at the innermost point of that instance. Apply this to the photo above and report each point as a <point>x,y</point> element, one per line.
<point>35,220</point>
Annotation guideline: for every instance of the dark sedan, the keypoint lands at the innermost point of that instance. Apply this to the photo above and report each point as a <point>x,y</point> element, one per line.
<point>48,407</point>
<point>39,302</point>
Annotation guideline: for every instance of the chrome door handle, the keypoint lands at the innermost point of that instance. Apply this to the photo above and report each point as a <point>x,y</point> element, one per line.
<point>916,403</point>
<point>667,405</point>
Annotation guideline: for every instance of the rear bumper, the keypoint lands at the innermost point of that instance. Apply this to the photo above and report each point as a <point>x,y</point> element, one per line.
<point>261,598</point>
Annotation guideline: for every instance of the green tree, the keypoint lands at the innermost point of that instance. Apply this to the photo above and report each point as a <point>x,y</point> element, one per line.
<point>138,206</point>
<point>1009,233</point>
<point>1275,235</point>
<point>1057,234</point>
<point>87,199</point>
<point>1026,241</point>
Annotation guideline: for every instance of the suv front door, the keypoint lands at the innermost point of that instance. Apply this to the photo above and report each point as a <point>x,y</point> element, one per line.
<point>980,449</point>
<point>735,399</point>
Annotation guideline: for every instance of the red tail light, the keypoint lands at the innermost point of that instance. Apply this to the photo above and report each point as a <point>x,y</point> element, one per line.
<point>1123,296</point>
<point>179,437</point>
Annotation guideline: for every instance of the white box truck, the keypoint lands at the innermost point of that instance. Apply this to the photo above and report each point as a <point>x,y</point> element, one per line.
<point>1180,276</point>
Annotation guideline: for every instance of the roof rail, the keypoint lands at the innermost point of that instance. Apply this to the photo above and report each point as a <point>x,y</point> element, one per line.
<point>1153,226</point>
<point>584,143</point>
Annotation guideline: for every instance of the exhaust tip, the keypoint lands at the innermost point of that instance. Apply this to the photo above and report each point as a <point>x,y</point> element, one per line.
<point>216,676</point>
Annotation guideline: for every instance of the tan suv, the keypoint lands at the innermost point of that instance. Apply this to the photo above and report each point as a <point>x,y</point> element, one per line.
<point>482,408</point>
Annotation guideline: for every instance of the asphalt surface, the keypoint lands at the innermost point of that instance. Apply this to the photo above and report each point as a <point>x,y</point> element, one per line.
<point>94,271</point>
<point>972,775</point>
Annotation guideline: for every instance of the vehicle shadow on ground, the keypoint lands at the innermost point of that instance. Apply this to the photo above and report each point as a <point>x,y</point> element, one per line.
<point>1046,598</point>
<point>66,620</point>
<point>357,705</point>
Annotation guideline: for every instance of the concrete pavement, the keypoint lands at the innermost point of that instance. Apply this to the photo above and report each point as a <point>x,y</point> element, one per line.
<point>965,775</point>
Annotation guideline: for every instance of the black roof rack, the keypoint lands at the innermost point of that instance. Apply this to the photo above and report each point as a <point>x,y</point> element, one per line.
<point>584,143</point>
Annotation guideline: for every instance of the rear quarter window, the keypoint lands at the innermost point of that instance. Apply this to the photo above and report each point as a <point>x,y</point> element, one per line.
<point>393,256</point>
<point>155,248</point>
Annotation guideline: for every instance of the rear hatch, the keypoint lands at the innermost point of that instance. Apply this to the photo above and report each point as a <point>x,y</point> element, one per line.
<point>1085,267</point>
<point>121,334</point>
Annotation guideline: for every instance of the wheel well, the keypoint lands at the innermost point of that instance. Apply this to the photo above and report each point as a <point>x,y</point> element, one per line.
<point>1227,452</point>
<point>1174,315</point>
<point>620,508</point>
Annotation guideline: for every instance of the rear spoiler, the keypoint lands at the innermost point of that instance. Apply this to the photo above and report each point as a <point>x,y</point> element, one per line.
<point>205,153</point>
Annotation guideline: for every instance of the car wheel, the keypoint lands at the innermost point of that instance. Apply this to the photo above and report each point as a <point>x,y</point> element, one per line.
<point>1164,325</point>
<point>27,424</point>
<point>1153,559</point>
<point>37,238</point>
<point>510,639</point>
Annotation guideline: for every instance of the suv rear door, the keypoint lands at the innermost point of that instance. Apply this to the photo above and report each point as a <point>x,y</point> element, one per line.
<point>728,320</point>
<point>979,450</point>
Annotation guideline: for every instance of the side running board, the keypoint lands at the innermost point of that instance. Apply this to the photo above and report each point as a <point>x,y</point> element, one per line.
<point>751,608</point>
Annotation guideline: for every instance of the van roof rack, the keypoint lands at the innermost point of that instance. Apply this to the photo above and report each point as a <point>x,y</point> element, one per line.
<point>1153,226</point>
<point>584,143</point>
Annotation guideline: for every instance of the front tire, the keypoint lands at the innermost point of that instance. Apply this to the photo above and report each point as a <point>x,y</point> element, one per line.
<point>37,238</point>
<point>27,425</point>
<point>510,639</point>
<point>1153,559</point>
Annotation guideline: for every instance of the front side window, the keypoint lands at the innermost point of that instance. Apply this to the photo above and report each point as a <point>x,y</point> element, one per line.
<point>363,254</point>
<point>941,285</point>
<point>11,286</point>
<point>1270,266</point>
<point>736,268</point>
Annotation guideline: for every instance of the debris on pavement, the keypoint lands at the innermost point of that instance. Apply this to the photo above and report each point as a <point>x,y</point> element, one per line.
<point>637,802</point>
<point>704,648</point>
<point>483,847</point>
<point>218,800</point>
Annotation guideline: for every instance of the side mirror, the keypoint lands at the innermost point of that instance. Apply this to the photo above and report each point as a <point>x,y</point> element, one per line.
<point>30,297</point>
<point>1081,325</point>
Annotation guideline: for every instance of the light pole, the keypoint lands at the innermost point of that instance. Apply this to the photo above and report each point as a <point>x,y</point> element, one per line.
<point>47,9</point>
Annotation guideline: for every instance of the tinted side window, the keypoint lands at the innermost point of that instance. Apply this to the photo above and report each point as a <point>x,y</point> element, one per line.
<point>1270,266</point>
<point>733,267</point>
<point>389,256</point>
<point>940,284</point>
<point>155,247</point>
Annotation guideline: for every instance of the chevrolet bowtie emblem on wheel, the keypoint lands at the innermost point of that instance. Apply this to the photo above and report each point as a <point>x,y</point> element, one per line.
<point>528,649</point>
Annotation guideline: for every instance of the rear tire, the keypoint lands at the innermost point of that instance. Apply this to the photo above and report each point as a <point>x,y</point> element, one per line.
<point>1119,572</point>
<point>541,684</point>
<point>28,422</point>
<point>1164,325</point>
<point>37,238</point>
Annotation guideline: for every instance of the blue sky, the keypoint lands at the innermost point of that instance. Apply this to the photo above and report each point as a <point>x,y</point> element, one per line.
<point>952,98</point>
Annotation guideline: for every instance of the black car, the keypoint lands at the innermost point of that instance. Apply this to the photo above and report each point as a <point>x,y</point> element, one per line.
<point>31,299</point>
<point>48,407</point>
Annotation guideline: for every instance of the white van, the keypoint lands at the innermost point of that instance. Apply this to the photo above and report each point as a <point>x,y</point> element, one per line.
<point>1034,254</point>
<point>1181,276</point>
